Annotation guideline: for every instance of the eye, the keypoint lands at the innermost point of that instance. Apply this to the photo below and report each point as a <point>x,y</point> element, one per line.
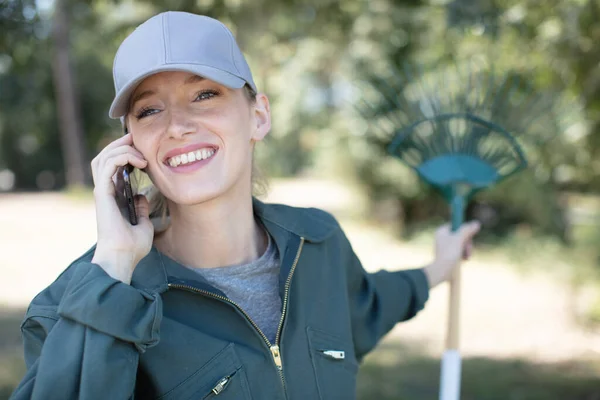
<point>206,94</point>
<point>146,111</point>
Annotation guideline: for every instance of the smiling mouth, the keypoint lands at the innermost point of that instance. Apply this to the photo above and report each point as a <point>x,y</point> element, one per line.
<point>191,157</point>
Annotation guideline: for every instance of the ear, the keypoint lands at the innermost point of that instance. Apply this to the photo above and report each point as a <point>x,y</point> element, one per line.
<point>262,117</point>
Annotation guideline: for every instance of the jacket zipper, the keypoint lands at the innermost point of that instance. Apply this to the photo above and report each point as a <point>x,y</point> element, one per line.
<point>274,348</point>
<point>219,387</point>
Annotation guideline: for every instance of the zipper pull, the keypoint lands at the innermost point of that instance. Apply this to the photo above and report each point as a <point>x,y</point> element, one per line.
<point>221,385</point>
<point>335,354</point>
<point>276,356</point>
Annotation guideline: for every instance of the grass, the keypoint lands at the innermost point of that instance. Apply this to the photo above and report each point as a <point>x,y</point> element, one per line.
<point>12,366</point>
<point>404,370</point>
<point>398,371</point>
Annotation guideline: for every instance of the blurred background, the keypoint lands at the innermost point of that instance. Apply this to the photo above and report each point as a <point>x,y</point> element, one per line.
<point>531,293</point>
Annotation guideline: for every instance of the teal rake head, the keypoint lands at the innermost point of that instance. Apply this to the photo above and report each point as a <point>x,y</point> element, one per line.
<point>458,152</point>
<point>456,128</point>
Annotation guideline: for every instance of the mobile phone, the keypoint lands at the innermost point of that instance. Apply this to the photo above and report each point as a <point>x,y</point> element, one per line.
<point>124,175</point>
<point>128,193</point>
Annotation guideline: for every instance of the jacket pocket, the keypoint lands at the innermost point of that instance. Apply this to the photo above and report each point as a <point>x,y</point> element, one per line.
<point>221,378</point>
<point>334,365</point>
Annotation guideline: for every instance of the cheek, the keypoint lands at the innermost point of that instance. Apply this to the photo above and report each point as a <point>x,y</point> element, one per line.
<point>233,131</point>
<point>148,148</point>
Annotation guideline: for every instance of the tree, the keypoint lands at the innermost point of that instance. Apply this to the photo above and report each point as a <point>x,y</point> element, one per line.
<point>66,99</point>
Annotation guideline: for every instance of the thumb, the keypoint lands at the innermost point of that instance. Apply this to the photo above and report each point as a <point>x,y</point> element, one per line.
<point>468,230</point>
<point>142,207</point>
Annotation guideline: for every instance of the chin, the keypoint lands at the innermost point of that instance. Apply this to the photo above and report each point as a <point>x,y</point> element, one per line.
<point>199,188</point>
<point>193,196</point>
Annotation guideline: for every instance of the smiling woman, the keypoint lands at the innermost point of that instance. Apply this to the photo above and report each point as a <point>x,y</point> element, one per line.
<point>201,97</point>
<point>233,298</point>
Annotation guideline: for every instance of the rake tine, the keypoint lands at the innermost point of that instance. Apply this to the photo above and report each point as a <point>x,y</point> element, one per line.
<point>425,96</point>
<point>449,90</point>
<point>433,91</point>
<point>513,87</point>
<point>468,88</point>
<point>385,90</point>
<point>484,92</point>
<point>529,102</point>
<point>397,98</point>
<point>537,115</point>
<point>471,145</point>
<point>490,88</point>
<point>410,107</point>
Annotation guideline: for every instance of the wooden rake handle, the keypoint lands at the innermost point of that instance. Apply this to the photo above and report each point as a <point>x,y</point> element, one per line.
<point>457,210</point>
<point>451,361</point>
<point>453,333</point>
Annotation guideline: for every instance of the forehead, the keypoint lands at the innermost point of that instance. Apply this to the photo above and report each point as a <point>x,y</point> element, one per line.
<point>168,78</point>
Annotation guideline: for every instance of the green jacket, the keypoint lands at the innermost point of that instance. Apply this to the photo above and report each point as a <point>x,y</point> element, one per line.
<point>170,335</point>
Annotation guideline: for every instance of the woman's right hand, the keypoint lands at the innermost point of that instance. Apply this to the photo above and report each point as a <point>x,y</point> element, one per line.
<point>120,245</point>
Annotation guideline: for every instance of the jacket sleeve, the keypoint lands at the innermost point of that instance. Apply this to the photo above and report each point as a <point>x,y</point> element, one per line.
<point>87,345</point>
<point>379,300</point>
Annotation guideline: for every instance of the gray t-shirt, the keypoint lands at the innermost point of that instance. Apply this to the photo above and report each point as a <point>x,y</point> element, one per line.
<point>254,287</point>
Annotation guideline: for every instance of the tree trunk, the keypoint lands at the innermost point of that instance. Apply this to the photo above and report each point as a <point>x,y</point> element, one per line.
<point>66,100</point>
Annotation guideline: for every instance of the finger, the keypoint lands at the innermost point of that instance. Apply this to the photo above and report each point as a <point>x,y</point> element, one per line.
<point>121,160</point>
<point>468,250</point>
<point>470,229</point>
<point>142,207</point>
<point>126,140</point>
<point>105,182</point>
<point>123,140</point>
<point>118,151</point>
<point>101,160</point>
<point>119,183</point>
<point>443,230</point>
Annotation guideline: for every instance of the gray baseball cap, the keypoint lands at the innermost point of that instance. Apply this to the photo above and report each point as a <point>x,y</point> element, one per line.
<point>177,41</point>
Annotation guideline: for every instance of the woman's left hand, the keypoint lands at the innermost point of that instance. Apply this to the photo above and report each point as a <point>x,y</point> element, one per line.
<point>450,248</point>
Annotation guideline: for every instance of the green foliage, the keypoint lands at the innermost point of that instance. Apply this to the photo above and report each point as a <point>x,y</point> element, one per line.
<point>551,125</point>
<point>307,55</point>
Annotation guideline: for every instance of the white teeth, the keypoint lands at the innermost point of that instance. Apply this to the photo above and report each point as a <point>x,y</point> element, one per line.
<point>187,158</point>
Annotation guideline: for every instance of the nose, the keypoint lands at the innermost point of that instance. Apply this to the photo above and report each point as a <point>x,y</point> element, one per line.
<point>180,124</point>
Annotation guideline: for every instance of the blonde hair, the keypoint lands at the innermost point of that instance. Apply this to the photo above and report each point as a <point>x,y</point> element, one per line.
<point>159,210</point>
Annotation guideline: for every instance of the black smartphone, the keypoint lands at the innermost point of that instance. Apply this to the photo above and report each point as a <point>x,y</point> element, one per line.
<point>126,173</point>
<point>124,189</point>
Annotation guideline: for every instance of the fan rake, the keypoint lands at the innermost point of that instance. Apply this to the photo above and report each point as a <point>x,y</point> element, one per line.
<point>456,128</point>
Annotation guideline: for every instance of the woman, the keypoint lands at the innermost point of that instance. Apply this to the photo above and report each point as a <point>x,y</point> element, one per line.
<point>233,299</point>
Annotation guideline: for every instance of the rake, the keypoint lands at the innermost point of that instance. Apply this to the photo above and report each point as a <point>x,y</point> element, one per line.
<point>455,127</point>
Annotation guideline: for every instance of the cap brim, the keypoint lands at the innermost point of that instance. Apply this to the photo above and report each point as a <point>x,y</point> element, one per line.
<point>120,104</point>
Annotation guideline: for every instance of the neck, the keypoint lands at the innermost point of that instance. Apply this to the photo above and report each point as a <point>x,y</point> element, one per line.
<point>216,233</point>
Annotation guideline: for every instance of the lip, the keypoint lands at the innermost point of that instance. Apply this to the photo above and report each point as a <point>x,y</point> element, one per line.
<point>187,149</point>
<point>191,167</point>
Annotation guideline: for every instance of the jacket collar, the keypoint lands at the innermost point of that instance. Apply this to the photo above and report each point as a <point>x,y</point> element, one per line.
<point>285,224</point>
<point>303,222</point>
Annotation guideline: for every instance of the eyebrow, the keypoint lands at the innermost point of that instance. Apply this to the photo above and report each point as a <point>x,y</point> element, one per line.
<point>140,96</point>
<point>194,79</point>
<point>148,93</point>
